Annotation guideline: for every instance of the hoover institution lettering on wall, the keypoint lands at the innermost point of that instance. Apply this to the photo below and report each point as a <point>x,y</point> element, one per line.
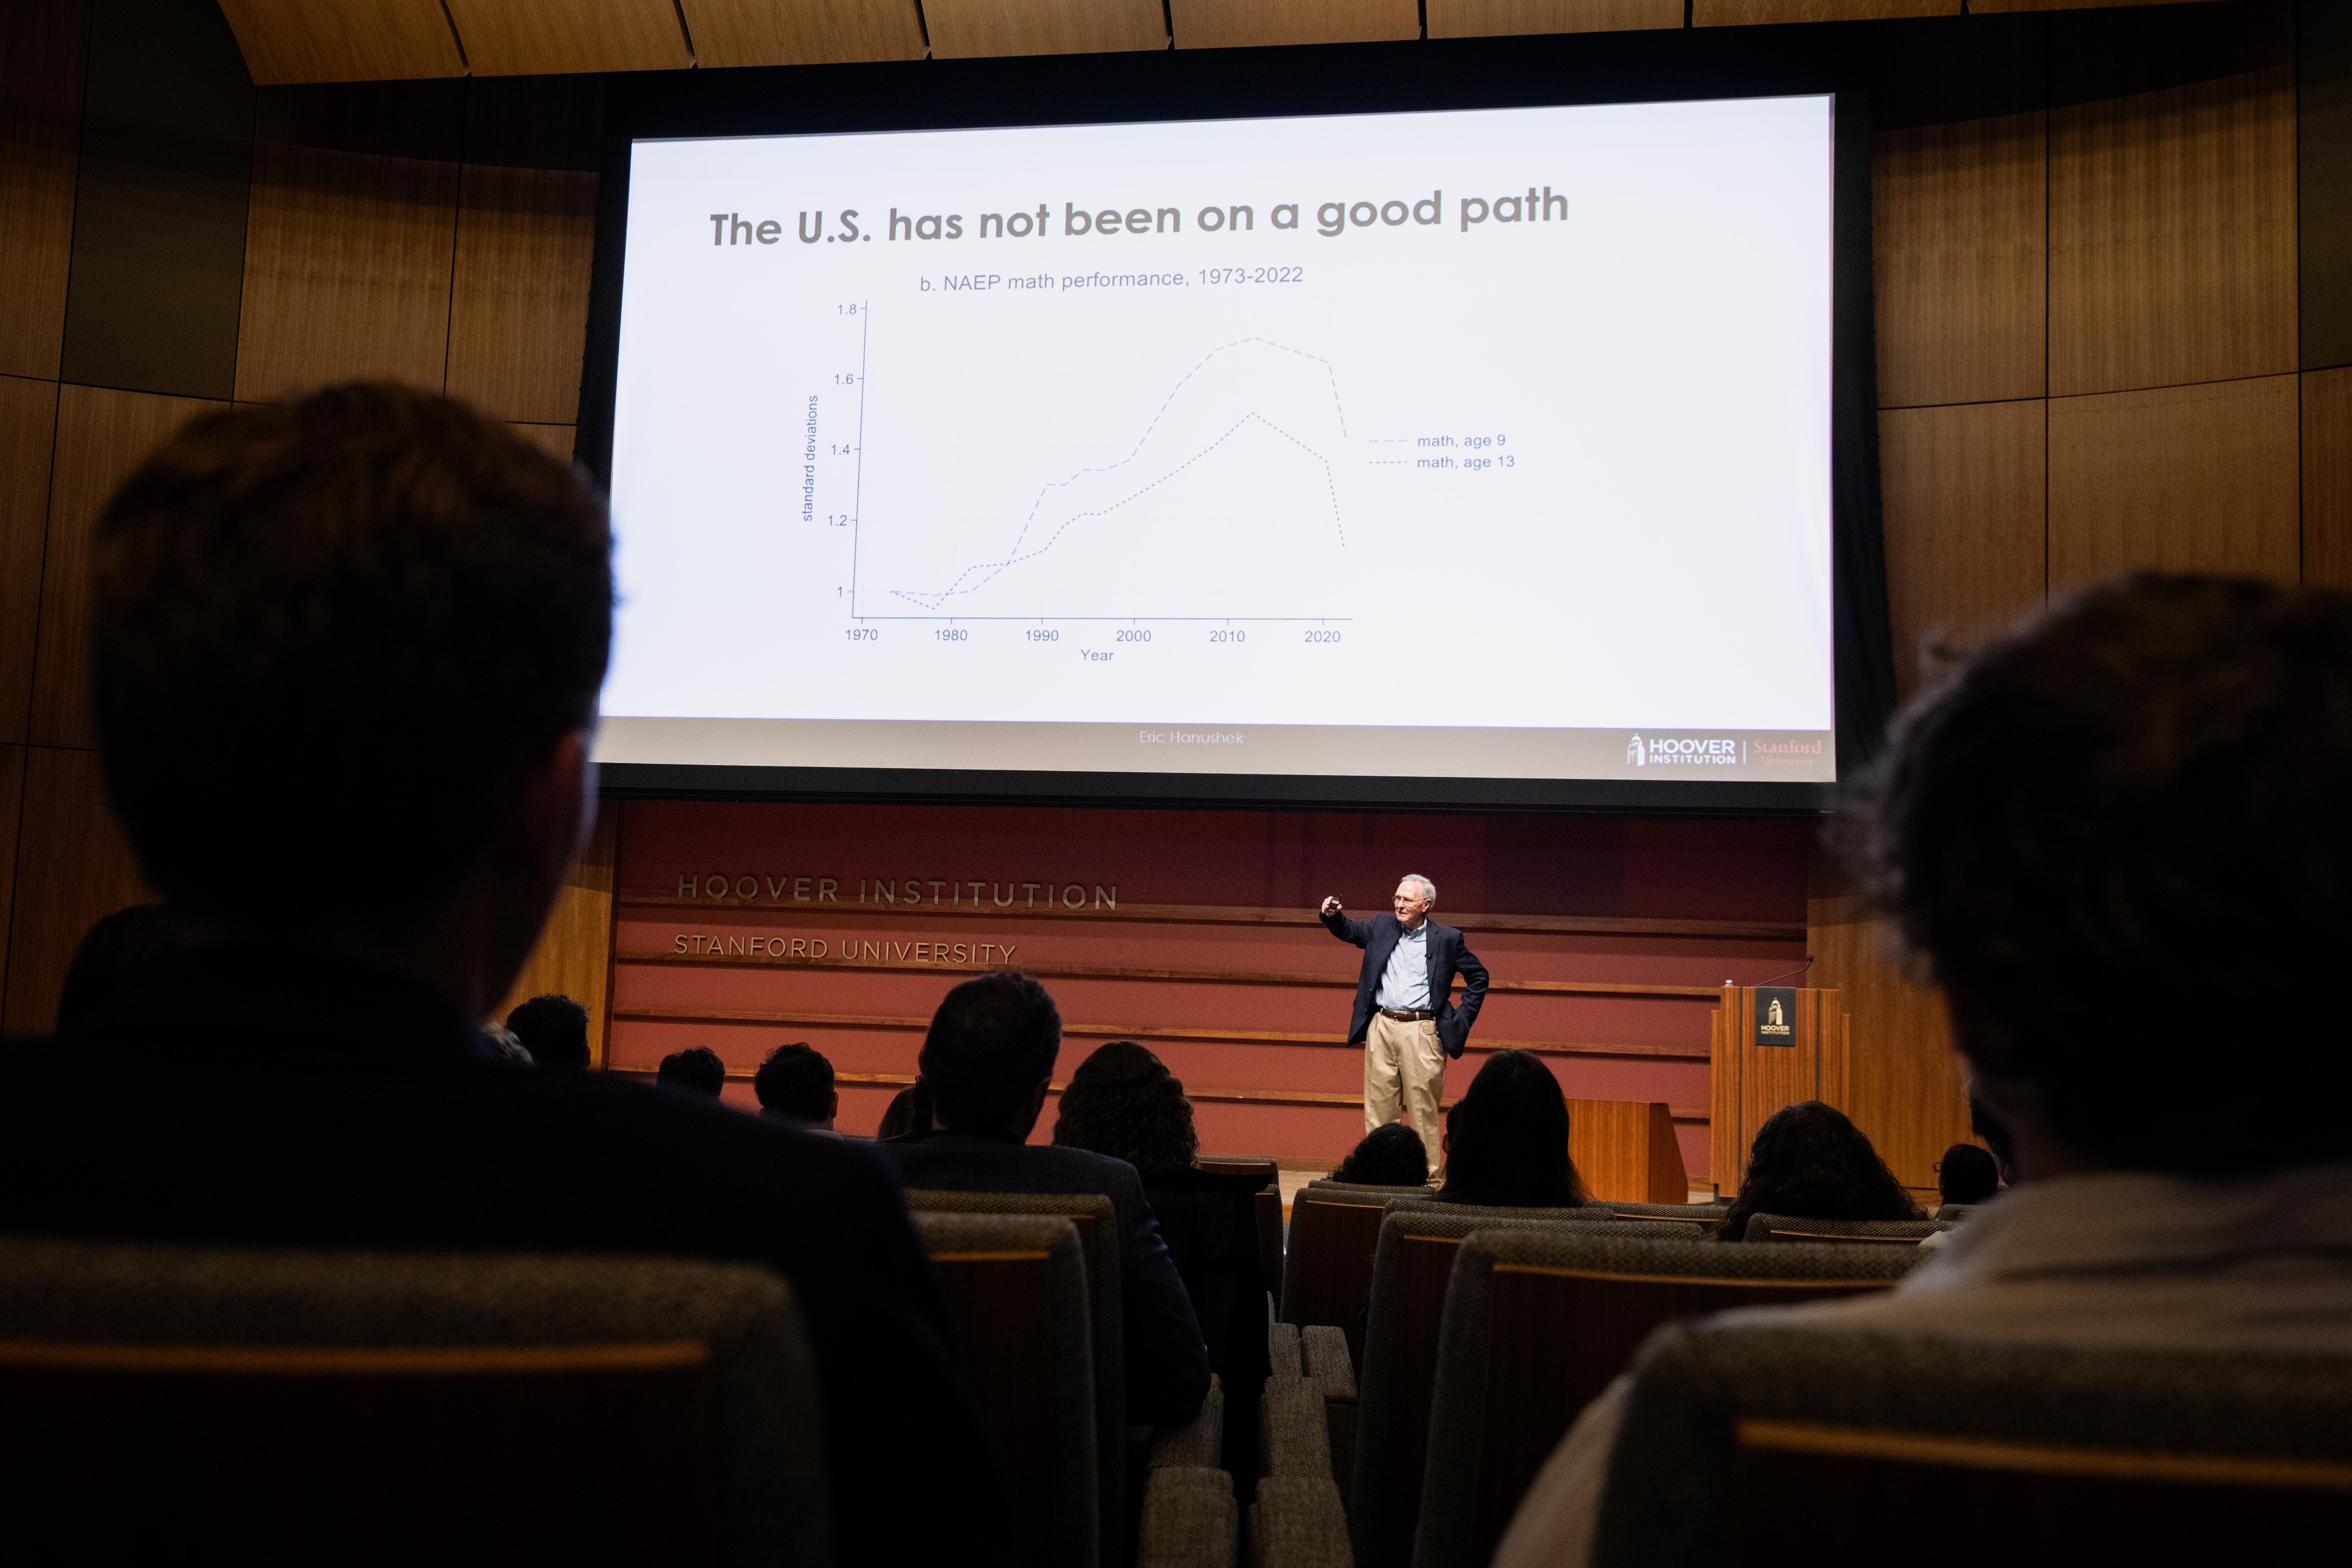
<point>919,892</point>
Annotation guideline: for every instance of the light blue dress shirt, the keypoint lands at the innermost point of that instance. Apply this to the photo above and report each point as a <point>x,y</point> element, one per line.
<point>1404,983</point>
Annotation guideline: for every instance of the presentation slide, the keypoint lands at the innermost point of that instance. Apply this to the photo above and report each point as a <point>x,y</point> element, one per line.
<point>1462,444</point>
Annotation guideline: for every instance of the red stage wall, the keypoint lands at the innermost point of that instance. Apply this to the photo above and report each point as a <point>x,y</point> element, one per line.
<point>742,927</point>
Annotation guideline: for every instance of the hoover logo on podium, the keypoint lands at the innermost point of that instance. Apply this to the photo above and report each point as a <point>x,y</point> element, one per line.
<point>1776,1015</point>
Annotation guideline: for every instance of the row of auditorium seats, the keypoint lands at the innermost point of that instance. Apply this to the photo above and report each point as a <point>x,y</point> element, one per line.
<point>1480,1333</point>
<point>269,1399</point>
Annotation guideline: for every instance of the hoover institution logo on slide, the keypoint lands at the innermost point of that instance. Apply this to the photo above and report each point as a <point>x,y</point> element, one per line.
<point>1773,754</point>
<point>1685,751</point>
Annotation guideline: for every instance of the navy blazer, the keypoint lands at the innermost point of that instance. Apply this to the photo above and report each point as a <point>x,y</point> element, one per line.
<point>1448,956</point>
<point>1167,1362</point>
<point>259,1097</point>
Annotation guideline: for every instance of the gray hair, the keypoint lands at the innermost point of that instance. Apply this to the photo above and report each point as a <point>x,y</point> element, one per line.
<point>1428,888</point>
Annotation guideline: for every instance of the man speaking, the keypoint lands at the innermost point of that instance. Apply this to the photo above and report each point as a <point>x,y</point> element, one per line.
<point>1404,1011</point>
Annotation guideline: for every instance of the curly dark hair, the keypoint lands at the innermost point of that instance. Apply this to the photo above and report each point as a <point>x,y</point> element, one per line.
<point>1124,1102</point>
<point>1508,1134</point>
<point>2141,792</point>
<point>1808,1161</point>
<point>1390,1156</point>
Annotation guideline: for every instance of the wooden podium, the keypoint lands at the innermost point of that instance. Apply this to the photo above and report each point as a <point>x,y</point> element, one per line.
<point>1770,1046</point>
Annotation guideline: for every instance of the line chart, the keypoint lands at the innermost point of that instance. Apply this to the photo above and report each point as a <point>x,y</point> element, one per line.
<point>1228,504</point>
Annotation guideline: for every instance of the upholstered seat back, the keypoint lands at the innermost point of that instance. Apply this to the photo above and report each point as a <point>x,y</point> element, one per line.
<point>1743,1441</point>
<point>168,1403</point>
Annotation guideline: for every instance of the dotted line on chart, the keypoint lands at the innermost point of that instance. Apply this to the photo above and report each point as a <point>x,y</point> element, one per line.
<point>933,602</point>
<point>1238,343</point>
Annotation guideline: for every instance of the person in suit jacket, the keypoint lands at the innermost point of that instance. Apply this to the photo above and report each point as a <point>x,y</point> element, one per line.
<point>351,646</point>
<point>989,1059</point>
<point>1405,1014</point>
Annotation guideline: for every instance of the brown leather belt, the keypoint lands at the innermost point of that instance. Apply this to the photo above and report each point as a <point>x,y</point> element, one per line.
<point>1408,1014</point>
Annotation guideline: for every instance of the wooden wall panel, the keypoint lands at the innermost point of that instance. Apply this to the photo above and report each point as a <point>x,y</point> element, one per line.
<point>1960,244</point>
<point>334,40</point>
<point>73,865</point>
<point>2172,217</point>
<point>574,956</point>
<point>1507,18</point>
<point>972,30</point>
<point>28,427</point>
<point>559,439</point>
<point>2327,478</point>
<point>42,50</point>
<point>12,802</point>
<point>348,255</point>
<point>1616,938</point>
<point>1739,13</point>
<point>1967,540</point>
<point>101,437</point>
<point>160,202</point>
<point>526,239</point>
<point>526,38</point>
<point>803,33</point>
<point>2323,167</point>
<point>1904,1086</point>
<point>2188,478</point>
<point>1233,24</point>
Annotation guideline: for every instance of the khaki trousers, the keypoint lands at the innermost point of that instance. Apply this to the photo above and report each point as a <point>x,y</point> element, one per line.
<point>1404,1066</point>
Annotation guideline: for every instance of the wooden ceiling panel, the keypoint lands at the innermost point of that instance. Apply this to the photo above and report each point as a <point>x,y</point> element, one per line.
<point>975,29</point>
<point>1237,24</point>
<point>803,32</point>
<point>333,40</point>
<point>557,37</point>
<point>1508,18</point>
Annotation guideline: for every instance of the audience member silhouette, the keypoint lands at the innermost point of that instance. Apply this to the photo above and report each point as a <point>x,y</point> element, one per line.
<point>555,1031</point>
<point>1987,1126</point>
<point>109,957</point>
<point>1966,1174</point>
<point>1507,1139</point>
<point>506,1044</point>
<point>1810,1161</point>
<point>366,629</point>
<point>2144,787</point>
<point>989,1059</point>
<point>694,1070</point>
<point>1388,1156</point>
<point>1124,1102</point>
<point>908,1118</point>
<point>795,1083</point>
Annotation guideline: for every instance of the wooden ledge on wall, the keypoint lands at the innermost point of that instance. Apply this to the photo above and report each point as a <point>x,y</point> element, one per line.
<point>1217,914</point>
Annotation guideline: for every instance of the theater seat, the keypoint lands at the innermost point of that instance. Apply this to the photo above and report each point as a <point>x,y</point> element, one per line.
<point>1411,1267</point>
<point>1537,1321</point>
<point>179,1404</point>
<point>1191,1519</point>
<point>1781,1227</point>
<point>1701,1217</point>
<point>1786,1445</point>
<point>1098,1242</point>
<point>1018,1307</point>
